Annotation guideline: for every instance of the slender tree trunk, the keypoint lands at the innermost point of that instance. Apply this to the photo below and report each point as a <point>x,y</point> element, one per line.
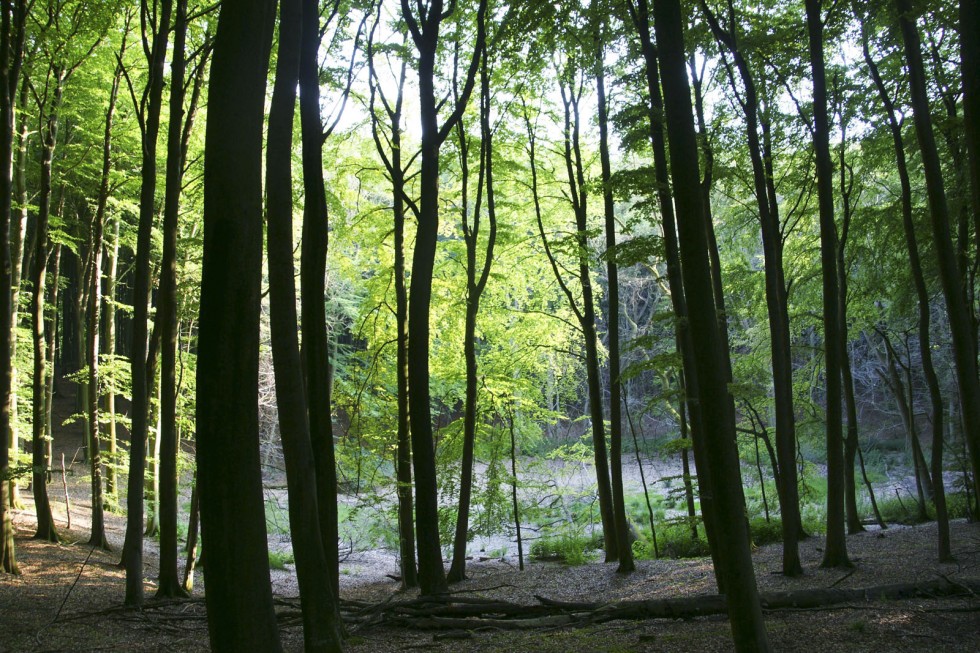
<point>731,539</point>
<point>425,35</point>
<point>403,456</point>
<point>109,349</point>
<point>169,584</point>
<point>315,349</point>
<point>641,19</point>
<point>193,522</point>
<point>851,443</point>
<point>13,16</point>
<point>960,320</point>
<point>922,294</point>
<point>239,596</point>
<point>132,556</point>
<point>476,282</point>
<point>835,552</point>
<point>18,233</point>
<point>625,551</point>
<point>776,304</point>
<point>45,523</point>
<point>321,631</point>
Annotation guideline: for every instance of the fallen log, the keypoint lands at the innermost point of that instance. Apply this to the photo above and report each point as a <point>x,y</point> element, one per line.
<point>479,614</point>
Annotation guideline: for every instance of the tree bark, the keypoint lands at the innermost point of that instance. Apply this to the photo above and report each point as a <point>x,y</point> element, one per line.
<point>169,584</point>
<point>922,295</point>
<point>776,303</point>
<point>717,410</point>
<point>425,35</point>
<point>403,455</point>
<point>239,596</point>
<point>960,319</point>
<point>45,522</point>
<point>313,271</point>
<point>835,553</point>
<point>132,555</point>
<point>476,283</point>
<point>624,549</point>
<point>321,631</point>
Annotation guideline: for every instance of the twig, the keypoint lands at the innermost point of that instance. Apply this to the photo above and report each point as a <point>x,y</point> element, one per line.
<point>37,635</point>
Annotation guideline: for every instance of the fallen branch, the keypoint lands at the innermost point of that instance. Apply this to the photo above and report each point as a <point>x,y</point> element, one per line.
<point>469,614</point>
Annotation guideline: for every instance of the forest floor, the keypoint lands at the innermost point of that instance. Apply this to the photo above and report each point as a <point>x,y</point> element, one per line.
<point>69,595</point>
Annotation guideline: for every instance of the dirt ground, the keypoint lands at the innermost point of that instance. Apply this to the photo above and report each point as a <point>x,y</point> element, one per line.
<point>68,599</point>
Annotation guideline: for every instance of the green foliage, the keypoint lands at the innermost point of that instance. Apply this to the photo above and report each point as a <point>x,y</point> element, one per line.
<point>279,559</point>
<point>569,548</point>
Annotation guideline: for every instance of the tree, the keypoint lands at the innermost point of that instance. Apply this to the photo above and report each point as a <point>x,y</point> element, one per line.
<point>238,596</point>
<point>476,282</point>
<point>921,292</point>
<point>154,37</point>
<point>399,201</point>
<point>623,546</point>
<point>776,293</point>
<point>960,320</point>
<point>12,20</point>
<point>717,409</point>
<point>321,630</point>
<point>835,553</point>
<point>424,30</point>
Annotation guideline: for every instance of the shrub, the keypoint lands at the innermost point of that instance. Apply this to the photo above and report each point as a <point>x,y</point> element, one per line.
<point>569,548</point>
<point>765,532</point>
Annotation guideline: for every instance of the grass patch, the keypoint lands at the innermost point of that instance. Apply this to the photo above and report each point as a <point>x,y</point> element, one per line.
<point>279,559</point>
<point>569,548</point>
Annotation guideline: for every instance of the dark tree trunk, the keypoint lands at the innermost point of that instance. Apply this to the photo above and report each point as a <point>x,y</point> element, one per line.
<point>169,584</point>
<point>132,555</point>
<point>960,319</point>
<point>239,596</point>
<point>476,282</point>
<point>315,351</point>
<point>403,456</point>
<point>45,523</point>
<point>641,19</point>
<point>922,295</point>
<point>12,19</point>
<point>851,443</point>
<point>624,549</point>
<point>321,632</point>
<point>776,303</point>
<point>731,538</point>
<point>835,553</point>
<point>95,293</point>
<point>970,67</point>
<point>425,35</point>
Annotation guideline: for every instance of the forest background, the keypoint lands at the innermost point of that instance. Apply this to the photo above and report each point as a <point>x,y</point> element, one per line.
<point>739,236</point>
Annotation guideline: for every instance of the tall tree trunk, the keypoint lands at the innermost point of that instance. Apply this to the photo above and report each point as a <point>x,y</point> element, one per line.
<point>403,455</point>
<point>922,295</point>
<point>476,282</point>
<point>776,302</point>
<point>109,349</point>
<point>169,584</point>
<point>95,290</point>
<point>835,552</point>
<point>960,319</point>
<point>132,556</point>
<point>239,595</point>
<point>315,349</point>
<point>321,631</point>
<point>13,17</point>
<point>624,549</point>
<point>851,443</point>
<point>18,233</point>
<point>970,67</point>
<point>45,523</point>
<point>425,35</point>
<point>731,538</point>
<point>641,19</point>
